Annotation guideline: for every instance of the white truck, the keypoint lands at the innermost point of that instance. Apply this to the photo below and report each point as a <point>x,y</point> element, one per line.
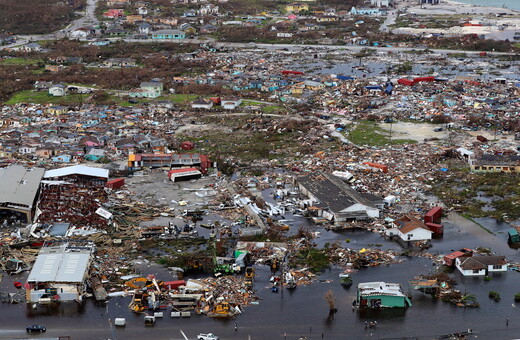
<point>208,336</point>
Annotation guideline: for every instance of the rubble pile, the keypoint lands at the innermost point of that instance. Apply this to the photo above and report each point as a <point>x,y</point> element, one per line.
<point>361,258</point>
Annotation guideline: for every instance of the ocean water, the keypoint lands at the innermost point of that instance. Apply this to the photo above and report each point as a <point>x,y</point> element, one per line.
<point>511,4</point>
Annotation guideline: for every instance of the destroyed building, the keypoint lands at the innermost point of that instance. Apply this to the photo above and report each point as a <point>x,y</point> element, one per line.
<point>336,201</point>
<point>73,195</point>
<point>60,272</point>
<point>19,191</point>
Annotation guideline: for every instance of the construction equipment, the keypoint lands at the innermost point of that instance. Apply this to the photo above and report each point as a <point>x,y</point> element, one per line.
<point>249,276</point>
<point>275,265</point>
<point>223,310</point>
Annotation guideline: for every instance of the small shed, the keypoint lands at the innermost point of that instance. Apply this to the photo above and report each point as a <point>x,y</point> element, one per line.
<point>513,236</point>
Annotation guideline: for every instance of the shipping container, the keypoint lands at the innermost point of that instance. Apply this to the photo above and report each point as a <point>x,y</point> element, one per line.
<point>433,216</point>
<point>115,183</point>
<point>404,81</point>
<point>173,285</point>
<point>426,79</point>
<point>437,229</point>
<point>383,168</point>
<point>482,139</point>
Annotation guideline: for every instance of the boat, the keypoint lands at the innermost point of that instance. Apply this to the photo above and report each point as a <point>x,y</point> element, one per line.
<point>346,281</point>
<point>458,335</point>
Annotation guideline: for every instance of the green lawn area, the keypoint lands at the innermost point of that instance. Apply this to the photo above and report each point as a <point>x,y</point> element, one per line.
<point>179,98</point>
<point>175,98</point>
<point>265,108</point>
<point>29,96</point>
<point>19,61</point>
<point>517,45</point>
<point>463,190</point>
<point>368,133</point>
<point>272,108</point>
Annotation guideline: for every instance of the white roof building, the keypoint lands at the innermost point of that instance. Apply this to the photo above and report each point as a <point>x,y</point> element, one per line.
<point>60,271</point>
<point>77,170</point>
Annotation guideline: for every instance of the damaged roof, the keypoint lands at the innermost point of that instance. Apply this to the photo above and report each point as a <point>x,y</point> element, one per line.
<point>64,262</point>
<point>77,170</point>
<point>334,193</point>
<point>19,185</point>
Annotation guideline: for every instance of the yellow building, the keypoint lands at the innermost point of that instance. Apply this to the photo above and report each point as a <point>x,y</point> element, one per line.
<point>133,18</point>
<point>297,89</point>
<point>495,163</point>
<point>326,19</point>
<point>296,7</point>
<point>57,110</point>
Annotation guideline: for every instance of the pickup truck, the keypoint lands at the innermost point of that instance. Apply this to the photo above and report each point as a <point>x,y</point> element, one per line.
<point>208,336</point>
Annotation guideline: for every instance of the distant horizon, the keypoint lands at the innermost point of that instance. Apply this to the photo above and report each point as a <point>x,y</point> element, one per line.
<point>510,4</point>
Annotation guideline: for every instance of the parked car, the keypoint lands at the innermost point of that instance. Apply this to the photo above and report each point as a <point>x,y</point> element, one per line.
<point>208,336</point>
<point>35,328</point>
<point>437,129</point>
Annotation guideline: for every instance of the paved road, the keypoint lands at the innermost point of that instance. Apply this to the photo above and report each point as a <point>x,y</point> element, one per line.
<point>390,20</point>
<point>88,19</point>
<point>290,47</point>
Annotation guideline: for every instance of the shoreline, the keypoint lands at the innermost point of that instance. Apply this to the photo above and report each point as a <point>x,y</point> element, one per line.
<point>459,3</point>
<point>494,23</point>
<point>448,7</point>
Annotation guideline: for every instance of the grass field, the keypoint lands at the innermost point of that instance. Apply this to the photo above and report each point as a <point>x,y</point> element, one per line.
<point>368,133</point>
<point>20,61</point>
<point>43,98</point>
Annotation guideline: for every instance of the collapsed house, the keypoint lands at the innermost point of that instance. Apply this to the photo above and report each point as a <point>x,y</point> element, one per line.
<point>19,191</point>
<point>60,272</point>
<point>336,201</point>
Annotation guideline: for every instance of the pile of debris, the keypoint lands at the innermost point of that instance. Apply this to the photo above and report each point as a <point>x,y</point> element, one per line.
<point>361,258</point>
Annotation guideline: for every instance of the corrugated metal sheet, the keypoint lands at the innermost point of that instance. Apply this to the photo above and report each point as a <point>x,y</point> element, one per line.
<point>19,185</point>
<point>60,264</point>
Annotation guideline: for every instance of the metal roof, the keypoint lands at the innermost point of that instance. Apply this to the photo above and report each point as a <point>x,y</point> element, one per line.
<point>380,288</point>
<point>61,263</point>
<point>77,170</point>
<point>19,185</point>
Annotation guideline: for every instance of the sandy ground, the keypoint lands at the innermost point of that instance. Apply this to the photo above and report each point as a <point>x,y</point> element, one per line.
<point>415,131</point>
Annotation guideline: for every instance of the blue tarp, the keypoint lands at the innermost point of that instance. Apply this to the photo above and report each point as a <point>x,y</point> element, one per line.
<point>389,89</point>
<point>344,77</point>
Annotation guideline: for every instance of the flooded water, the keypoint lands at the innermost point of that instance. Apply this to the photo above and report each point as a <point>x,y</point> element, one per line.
<point>304,312</point>
<point>301,312</point>
<point>367,67</point>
